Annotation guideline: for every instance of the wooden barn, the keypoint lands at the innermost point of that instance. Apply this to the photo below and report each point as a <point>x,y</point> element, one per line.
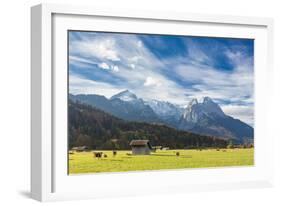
<point>80,149</point>
<point>141,147</point>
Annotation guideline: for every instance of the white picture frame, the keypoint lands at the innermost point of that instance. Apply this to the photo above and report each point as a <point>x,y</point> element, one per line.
<point>49,180</point>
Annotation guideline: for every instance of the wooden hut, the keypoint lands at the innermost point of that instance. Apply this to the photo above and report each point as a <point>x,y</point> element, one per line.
<point>141,147</point>
<point>80,149</point>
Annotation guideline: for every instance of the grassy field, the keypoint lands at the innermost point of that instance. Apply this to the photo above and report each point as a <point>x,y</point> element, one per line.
<point>85,162</point>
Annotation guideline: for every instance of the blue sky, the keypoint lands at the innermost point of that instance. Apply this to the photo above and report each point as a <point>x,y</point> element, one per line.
<point>168,68</point>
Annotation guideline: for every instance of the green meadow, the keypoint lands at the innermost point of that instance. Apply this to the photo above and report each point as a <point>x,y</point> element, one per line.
<point>85,162</point>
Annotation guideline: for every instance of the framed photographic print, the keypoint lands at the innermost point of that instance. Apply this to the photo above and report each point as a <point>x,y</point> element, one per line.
<point>135,102</point>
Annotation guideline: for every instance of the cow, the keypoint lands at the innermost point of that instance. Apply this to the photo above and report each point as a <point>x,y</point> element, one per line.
<point>98,154</point>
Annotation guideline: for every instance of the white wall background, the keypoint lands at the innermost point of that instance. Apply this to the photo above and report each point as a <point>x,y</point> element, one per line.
<point>15,100</point>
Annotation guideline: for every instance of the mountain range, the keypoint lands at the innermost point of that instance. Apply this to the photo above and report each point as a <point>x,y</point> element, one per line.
<point>92,127</point>
<point>205,118</point>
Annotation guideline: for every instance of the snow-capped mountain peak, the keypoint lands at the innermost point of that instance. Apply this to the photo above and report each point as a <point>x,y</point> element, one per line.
<point>210,107</point>
<point>163,108</point>
<point>207,100</point>
<point>125,95</point>
<point>195,110</point>
<point>192,102</point>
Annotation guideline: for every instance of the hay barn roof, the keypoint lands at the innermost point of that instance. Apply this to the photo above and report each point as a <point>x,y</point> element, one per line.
<point>139,142</point>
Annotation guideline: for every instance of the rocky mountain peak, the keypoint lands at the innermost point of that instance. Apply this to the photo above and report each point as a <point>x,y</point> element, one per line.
<point>125,95</point>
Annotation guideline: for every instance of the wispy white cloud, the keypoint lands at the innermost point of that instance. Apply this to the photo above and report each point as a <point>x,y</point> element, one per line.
<point>149,81</point>
<point>232,86</point>
<point>126,57</point>
<point>241,112</point>
<point>115,68</point>
<point>96,47</point>
<point>104,65</point>
<point>82,85</point>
